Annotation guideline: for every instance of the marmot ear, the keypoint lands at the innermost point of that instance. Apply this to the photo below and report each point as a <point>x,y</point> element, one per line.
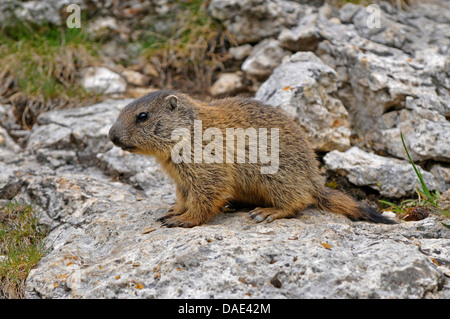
<point>173,101</point>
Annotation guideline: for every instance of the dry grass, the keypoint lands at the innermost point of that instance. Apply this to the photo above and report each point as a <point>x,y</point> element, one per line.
<point>192,52</point>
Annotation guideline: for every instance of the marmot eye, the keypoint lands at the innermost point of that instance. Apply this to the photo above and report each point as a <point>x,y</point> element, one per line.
<point>142,117</point>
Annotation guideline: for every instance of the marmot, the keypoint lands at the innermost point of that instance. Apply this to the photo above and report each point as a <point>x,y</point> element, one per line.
<point>204,188</point>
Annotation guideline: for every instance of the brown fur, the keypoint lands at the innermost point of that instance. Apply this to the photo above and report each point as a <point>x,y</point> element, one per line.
<point>203,189</point>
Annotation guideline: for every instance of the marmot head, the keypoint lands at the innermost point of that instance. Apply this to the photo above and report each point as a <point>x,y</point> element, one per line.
<point>145,125</point>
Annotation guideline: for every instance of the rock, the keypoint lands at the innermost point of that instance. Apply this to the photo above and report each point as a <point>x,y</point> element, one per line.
<point>7,119</point>
<point>303,37</point>
<point>8,148</point>
<point>426,134</point>
<point>303,86</point>
<point>315,3</point>
<point>386,91</point>
<point>8,181</point>
<point>442,175</point>
<point>7,8</point>
<point>82,129</point>
<point>56,158</point>
<point>408,30</point>
<point>139,171</point>
<point>38,12</point>
<point>373,91</point>
<point>50,136</point>
<point>435,65</point>
<point>135,78</point>
<point>101,26</point>
<point>254,20</point>
<point>241,52</point>
<point>265,57</point>
<point>389,32</point>
<point>227,84</point>
<point>389,214</point>
<point>102,81</point>
<point>115,52</point>
<point>105,241</point>
<point>424,25</point>
<point>150,70</point>
<point>393,178</point>
<point>348,11</point>
<point>108,256</point>
<point>428,139</point>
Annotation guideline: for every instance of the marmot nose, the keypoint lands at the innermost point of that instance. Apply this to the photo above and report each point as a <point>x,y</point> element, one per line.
<point>115,140</point>
<point>113,136</point>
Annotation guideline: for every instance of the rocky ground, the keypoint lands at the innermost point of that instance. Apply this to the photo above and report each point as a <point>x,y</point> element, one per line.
<point>101,205</point>
<point>353,89</point>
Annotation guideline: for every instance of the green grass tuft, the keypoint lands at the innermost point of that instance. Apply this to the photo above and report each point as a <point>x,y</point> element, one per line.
<point>40,66</point>
<point>21,247</point>
<point>426,199</point>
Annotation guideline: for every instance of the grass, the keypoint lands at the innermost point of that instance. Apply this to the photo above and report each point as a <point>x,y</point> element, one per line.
<point>40,67</point>
<point>426,200</point>
<point>191,51</point>
<point>21,247</point>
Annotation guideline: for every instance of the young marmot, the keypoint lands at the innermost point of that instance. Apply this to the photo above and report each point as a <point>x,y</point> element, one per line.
<point>204,186</point>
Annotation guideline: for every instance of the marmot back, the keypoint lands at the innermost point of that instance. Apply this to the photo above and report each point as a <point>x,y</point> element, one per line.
<point>232,151</point>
